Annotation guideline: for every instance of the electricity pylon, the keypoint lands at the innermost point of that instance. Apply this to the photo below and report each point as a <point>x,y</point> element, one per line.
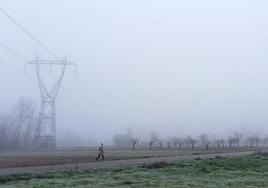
<point>45,130</point>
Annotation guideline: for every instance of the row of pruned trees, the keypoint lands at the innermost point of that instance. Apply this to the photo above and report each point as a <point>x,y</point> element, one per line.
<point>203,141</point>
<point>17,126</point>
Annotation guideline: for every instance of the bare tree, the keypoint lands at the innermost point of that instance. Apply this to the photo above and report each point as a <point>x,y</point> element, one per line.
<point>204,141</point>
<point>250,141</point>
<point>181,143</point>
<point>222,141</point>
<point>24,116</point>
<point>190,141</point>
<point>231,141</point>
<point>169,145</point>
<point>122,140</point>
<point>17,126</point>
<point>237,138</point>
<point>150,144</point>
<point>134,141</point>
<point>253,141</point>
<point>176,141</point>
<point>219,143</point>
<point>154,137</point>
<point>161,142</point>
<point>257,140</point>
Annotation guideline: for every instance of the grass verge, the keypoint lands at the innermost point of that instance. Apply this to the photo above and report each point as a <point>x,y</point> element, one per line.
<point>245,172</point>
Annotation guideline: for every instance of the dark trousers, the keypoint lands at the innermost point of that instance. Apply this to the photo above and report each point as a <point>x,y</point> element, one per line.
<point>100,155</point>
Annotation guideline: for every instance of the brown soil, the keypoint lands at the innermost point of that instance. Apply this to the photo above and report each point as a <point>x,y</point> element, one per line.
<point>81,165</point>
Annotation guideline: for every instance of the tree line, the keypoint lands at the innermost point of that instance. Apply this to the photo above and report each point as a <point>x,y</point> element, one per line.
<point>236,140</point>
<point>18,125</point>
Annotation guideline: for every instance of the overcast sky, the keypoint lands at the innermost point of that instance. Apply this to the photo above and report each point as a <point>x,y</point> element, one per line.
<point>176,67</point>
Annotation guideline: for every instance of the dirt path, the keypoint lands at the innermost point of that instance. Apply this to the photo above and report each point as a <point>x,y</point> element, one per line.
<point>110,164</point>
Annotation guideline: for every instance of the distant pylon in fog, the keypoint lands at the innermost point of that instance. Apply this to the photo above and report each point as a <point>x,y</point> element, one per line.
<point>45,130</point>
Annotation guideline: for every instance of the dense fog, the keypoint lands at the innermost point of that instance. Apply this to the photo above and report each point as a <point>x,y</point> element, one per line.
<point>146,70</point>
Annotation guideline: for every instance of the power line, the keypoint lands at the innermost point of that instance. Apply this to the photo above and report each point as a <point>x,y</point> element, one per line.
<point>13,52</point>
<point>28,33</point>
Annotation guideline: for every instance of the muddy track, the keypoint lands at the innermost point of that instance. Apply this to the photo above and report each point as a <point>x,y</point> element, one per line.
<point>110,164</point>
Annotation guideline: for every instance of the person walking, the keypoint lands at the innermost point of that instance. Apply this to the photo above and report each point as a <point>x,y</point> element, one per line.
<point>100,152</point>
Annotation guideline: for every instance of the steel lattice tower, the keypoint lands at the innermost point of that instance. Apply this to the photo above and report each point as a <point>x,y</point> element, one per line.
<point>45,130</point>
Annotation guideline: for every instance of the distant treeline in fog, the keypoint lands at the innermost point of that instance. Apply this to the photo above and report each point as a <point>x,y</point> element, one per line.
<point>18,125</point>
<point>176,142</point>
